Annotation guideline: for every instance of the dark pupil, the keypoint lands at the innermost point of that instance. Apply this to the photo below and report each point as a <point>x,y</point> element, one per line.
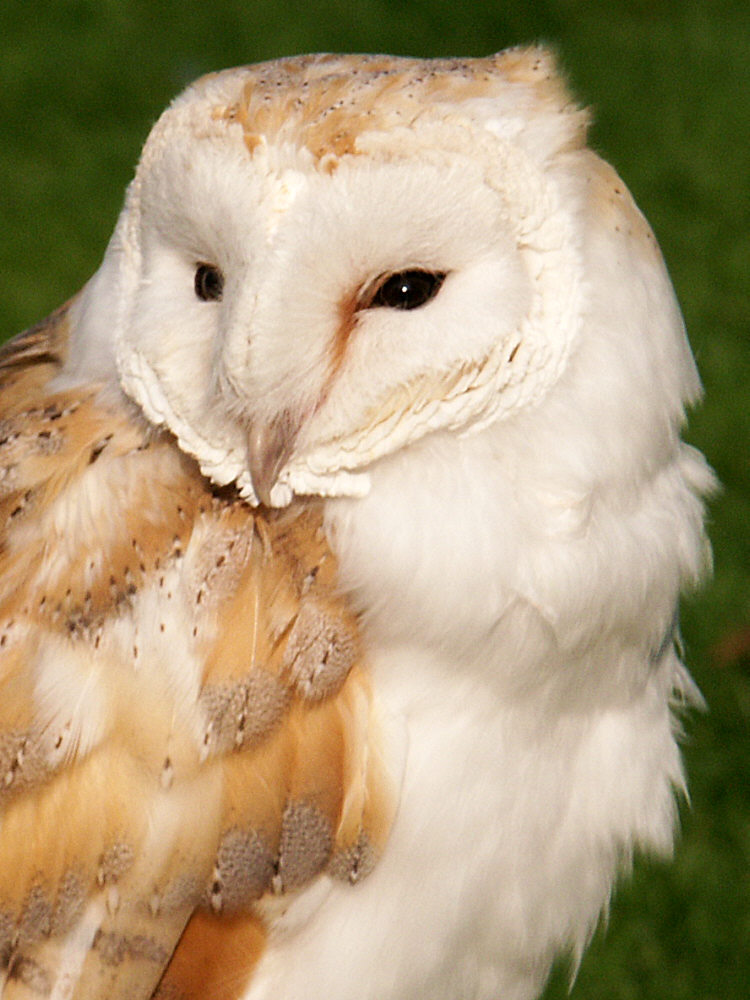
<point>408,289</point>
<point>209,282</point>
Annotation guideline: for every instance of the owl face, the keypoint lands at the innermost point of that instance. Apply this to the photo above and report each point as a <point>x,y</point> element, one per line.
<point>324,259</point>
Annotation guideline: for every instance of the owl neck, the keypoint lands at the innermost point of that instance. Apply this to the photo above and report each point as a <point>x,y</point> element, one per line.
<point>467,558</point>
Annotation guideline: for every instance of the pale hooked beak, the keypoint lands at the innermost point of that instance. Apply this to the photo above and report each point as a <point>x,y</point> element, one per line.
<point>268,449</point>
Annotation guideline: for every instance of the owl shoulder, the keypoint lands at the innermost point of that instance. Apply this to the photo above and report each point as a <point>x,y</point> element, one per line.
<point>187,724</point>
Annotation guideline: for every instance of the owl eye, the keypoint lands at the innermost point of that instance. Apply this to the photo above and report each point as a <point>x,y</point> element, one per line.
<point>408,289</point>
<point>209,282</point>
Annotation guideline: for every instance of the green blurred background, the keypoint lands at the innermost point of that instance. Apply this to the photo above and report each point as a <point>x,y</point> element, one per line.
<point>83,80</point>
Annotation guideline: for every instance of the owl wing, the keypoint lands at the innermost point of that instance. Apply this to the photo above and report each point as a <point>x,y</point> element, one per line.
<point>187,728</point>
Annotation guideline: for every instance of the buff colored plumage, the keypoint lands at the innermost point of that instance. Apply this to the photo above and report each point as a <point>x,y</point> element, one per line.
<point>184,724</point>
<point>343,521</point>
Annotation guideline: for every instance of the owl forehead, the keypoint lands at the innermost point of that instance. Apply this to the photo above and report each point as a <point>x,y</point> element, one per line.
<point>323,107</point>
<point>326,106</point>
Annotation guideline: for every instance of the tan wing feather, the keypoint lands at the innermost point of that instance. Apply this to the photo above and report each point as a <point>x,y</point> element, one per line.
<point>186,723</point>
<point>44,344</point>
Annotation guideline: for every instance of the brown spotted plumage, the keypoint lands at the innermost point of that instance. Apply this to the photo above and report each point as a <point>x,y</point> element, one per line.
<point>325,103</point>
<point>185,717</point>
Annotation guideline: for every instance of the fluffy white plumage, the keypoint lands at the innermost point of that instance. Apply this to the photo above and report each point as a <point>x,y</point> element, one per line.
<point>511,509</point>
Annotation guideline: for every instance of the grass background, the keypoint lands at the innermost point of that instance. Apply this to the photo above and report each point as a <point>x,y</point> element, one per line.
<point>83,80</point>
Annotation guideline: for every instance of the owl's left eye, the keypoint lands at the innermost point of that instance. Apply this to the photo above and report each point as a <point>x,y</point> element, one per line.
<point>209,282</point>
<point>408,289</point>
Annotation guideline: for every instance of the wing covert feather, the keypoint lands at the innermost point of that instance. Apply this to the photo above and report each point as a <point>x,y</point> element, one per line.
<point>186,722</point>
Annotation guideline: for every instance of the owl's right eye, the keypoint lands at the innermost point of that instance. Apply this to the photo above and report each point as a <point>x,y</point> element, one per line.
<point>209,282</point>
<point>407,289</point>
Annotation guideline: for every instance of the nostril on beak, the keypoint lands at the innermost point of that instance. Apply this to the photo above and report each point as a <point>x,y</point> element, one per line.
<point>268,448</point>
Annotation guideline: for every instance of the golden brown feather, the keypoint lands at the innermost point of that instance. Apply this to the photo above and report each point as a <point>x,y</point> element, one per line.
<point>186,724</point>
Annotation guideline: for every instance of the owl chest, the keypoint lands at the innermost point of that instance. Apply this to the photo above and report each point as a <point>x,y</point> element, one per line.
<point>456,904</point>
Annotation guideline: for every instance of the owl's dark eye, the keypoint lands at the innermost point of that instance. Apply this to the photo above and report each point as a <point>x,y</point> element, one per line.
<point>209,282</point>
<point>408,289</point>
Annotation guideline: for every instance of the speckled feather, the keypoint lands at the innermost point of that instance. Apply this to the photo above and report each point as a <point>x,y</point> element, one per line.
<point>326,103</point>
<point>134,794</point>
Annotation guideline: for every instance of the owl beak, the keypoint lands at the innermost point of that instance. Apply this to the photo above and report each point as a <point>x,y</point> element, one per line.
<point>268,449</point>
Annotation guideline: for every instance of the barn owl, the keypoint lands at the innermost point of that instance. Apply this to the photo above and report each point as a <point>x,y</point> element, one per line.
<point>344,519</point>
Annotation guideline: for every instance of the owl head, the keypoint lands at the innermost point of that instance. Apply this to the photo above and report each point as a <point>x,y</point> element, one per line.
<point>324,260</point>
